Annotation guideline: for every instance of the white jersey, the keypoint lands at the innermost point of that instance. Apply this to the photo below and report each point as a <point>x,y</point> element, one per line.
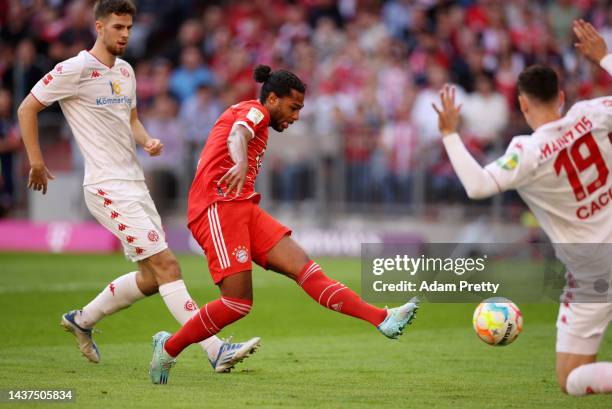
<point>97,101</point>
<point>562,172</point>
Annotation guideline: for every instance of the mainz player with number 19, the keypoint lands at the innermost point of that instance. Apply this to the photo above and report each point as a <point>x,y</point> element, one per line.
<point>562,172</point>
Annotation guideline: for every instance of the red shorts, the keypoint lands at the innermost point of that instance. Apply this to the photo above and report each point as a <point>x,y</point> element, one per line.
<point>234,233</point>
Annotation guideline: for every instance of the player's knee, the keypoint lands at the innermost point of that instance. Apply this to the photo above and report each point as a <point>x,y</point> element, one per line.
<point>248,306</point>
<point>243,294</point>
<point>167,269</point>
<point>147,283</point>
<point>300,261</point>
<point>562,379</point>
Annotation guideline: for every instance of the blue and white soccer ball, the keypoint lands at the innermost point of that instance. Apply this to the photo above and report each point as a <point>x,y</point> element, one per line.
<point>497,321</point>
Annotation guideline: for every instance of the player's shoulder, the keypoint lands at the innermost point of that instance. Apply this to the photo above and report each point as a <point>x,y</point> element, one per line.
<point>124,65</point>
<point>589,105</point>
<point>253,109</point>
<point>71,66</point>
<point>522,149</point>
<point>522,144</point>
<point>248,104</point>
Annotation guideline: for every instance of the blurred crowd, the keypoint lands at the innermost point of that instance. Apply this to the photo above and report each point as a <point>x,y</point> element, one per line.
<point>367,134</point>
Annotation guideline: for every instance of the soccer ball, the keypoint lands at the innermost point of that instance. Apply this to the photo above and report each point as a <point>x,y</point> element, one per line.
<point>497,321</point>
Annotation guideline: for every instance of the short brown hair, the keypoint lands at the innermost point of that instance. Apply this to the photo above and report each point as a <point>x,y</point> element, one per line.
<point>103,8</point>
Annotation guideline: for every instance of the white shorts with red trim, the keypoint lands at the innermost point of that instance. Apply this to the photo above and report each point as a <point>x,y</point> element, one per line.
<point>126,209</point>
<point>581,327</point>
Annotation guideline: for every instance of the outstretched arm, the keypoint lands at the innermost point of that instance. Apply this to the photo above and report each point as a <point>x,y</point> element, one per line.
<point>478,183</point>
<point>592,45</point>
<point>27,115</point>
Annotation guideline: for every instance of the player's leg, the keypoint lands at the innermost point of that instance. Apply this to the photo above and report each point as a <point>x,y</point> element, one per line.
<point>580,330</point>
<point>126,209</point>
<point>119,294</point>
<point>112,206</point>
<point>567,362</point>
<point>235,303</point>
<point>221,227</point>
<point>274,249</point>
<point>289,259</point>
<point>173,291</point>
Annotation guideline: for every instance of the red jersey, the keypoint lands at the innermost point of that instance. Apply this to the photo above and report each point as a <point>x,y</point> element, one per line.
<point>215,159</point>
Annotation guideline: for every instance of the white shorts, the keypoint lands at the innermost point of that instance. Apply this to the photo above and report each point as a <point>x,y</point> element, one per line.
<point>581,327</point>
<point>126,209</point>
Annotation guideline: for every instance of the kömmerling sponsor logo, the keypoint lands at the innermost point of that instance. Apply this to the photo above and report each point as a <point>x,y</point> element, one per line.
<point>113,100</point>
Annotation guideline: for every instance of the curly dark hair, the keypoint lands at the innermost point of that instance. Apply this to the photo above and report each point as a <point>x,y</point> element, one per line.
<point>281,82</point>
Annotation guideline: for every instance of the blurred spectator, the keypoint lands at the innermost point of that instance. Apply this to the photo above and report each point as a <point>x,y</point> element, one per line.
<point>293,152</point>
<point>234,69</point>
<point>327,38</point>
<point>397,15</point>
<point>161,72</point>
<point>425,118</point>
<point>25,71</point>
<point>485,113</point>
<point>561,14</point>
<point>293,29</point>
<point>165,172</point>
<point>78,34</point>
<point>192,72</point>
<point>198,115</point>
<point>363,61</point>
<point>10,143</point>
<point>191,34</point>
<point>442,180</point>
<point>360,140</point>
<point>16,25</point>
<point>400,143</point>
<point>325,9</point>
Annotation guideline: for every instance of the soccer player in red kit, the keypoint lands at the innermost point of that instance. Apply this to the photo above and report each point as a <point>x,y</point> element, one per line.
<point>226,220</point>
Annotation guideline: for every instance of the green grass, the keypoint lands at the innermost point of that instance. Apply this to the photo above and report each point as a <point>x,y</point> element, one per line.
<point>310,357</point>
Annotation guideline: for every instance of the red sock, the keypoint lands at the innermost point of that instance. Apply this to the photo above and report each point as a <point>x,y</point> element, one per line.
<point>336,296</point>
<point>207,322</point>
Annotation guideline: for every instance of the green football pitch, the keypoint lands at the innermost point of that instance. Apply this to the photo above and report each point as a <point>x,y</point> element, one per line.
<point>310,357</point>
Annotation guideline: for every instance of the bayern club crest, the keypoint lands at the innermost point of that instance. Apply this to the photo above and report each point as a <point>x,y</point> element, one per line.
<point>241,253</point>
<point>153,236</point>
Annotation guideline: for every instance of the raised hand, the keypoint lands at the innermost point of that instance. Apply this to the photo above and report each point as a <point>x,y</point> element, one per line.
<point>448,116</point>
<point>590,43</point>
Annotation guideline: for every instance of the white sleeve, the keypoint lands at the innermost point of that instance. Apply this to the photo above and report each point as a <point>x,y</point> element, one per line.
<point>478,182</point>
<point>515,168</point>
<point>606,63</point>
<point>60,83</point>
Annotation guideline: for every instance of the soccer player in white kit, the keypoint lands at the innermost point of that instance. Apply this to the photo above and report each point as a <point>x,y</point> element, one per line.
<point>562,172</point>
<point>96,91</point>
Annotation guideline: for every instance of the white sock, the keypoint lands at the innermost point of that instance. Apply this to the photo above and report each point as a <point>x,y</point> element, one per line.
<point>120,293</point>
<point>183,307</point>
<point>590,378</point>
